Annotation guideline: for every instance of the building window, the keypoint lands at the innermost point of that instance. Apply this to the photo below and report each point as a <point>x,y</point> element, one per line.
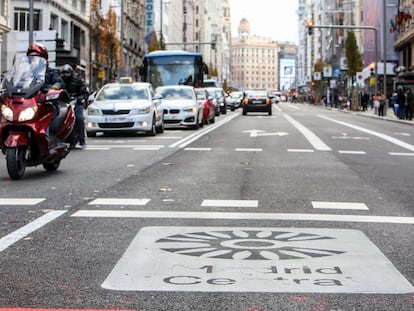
<point>21,19</point>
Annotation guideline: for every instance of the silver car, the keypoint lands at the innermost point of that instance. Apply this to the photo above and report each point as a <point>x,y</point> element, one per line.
<point>125,107</point>
<point>180,106</point>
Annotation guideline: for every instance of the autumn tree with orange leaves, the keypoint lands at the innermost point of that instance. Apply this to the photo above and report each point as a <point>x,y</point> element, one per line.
<point>104,33</point>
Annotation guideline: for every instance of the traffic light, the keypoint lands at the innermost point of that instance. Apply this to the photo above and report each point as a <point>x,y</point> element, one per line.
<point>310,28</point>
<point>372,69</point>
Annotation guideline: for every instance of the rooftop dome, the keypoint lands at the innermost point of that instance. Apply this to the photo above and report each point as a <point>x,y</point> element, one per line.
<point>244,27</point>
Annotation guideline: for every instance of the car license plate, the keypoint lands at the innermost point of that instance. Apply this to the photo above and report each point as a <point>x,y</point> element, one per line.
<point>256,101</point>
<point>116,119</point>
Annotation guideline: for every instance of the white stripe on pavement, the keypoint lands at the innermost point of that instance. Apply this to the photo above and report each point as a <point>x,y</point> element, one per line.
<point>339,205</point>
<point>403,154</point>
<point>380,135</point>
<point>230,203</point>
<point>112,201</point>
<point>351,152</point>
<point>248,149</point>
<point>247,216</point>
<point>20,201</point>
<point>24,231</point>
<point>314,140</point>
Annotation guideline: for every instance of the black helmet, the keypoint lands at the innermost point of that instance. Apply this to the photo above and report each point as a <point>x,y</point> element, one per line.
<point>67,69</point>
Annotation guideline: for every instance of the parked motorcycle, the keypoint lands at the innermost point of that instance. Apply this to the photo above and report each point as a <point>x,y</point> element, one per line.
<point>35,120</point>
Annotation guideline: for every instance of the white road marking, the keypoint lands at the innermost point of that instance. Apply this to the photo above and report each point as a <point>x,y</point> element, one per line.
<point>254,259</point>
<point>127,146</point>
<point>404,154</point>
<point>315,141</point>
<point>248,216</point>
<point>255,133</point>
<point>193,137</point>
<point>339,205</point>
<point>149,148</point>
<point>380,135</point>
<point>230,203</point>
<point>24,231</point>
<point>301,150</point>
<point>90,148</point>
<point>248,149</point>
<point>114,201</point>
<point>197,149</point>
<point>351,152</point>
<point>21,201</point>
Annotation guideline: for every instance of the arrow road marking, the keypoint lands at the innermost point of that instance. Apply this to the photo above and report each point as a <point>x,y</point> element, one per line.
<point>255,133</point>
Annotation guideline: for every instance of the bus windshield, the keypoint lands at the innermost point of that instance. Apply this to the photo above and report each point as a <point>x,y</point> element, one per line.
<point>173,68</point>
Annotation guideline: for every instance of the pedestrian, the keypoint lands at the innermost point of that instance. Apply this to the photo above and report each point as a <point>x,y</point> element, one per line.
<point>394,101</point>
<point>365,100</point>
<point>401,102</point>
<point>379,103</point>
<point>409,107</point>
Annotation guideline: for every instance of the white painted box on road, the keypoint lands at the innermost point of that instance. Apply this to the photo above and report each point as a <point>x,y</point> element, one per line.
<point>252,259</point>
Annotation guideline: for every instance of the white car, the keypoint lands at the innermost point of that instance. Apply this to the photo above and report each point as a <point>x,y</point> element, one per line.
<point>180,106</point>
<point>125,107</point>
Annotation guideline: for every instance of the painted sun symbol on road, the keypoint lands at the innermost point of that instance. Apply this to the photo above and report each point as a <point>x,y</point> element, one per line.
<point>246,245</point>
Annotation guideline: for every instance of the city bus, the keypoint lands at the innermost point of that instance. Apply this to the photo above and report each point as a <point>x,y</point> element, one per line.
<point>173,68</point>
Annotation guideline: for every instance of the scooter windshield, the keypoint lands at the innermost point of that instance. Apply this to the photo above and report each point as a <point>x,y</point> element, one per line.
<point>26,77</point>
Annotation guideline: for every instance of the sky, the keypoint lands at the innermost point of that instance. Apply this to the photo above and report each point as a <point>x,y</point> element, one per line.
<point>268,18</point>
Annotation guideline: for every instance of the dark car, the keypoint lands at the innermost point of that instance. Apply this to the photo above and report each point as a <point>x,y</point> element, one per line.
<point>256,101</point>
<point>219,99</point>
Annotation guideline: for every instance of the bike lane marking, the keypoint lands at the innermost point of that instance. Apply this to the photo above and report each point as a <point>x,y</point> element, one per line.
<point>24,231</point>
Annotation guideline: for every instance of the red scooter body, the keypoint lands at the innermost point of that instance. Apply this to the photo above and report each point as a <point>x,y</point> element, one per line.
<point>30,135</point>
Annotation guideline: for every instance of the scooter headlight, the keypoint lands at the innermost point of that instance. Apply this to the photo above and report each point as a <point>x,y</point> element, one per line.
<point>27,114</point>
<point>7,113</point>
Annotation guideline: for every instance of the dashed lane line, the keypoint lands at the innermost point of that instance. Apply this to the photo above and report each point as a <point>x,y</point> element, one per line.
<point>403,154</point>
<point>21,201</point>
<point>339,205</point>
<point>351,152</point>
<point>230,203</point>
<point>115,201</point>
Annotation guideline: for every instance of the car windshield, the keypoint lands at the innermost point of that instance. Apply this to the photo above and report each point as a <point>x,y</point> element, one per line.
<point>176,93</point>
<point>117,92</point>
<point>256,94</point>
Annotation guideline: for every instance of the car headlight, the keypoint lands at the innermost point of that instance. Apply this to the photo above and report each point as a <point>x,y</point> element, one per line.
<point>93,111</point>
<point>27,114</point>
<point>190,109</point>
<point>7,113</point>
<point>144,110</point>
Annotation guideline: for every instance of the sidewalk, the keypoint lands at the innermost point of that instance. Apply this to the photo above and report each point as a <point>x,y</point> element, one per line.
<point>389,115</point>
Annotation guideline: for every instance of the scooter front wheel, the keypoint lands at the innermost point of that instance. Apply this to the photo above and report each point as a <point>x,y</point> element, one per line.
<point>16,162</point>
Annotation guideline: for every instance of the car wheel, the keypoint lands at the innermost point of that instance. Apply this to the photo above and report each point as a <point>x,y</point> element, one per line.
<point>91,134</point>
<point>160,128</point>
<point>153,130</point>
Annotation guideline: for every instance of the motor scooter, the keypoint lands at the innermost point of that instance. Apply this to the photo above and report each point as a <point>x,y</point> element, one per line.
<point>35,120</point>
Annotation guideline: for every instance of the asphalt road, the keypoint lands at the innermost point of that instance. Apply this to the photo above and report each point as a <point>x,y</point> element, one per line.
<point>307,209</point>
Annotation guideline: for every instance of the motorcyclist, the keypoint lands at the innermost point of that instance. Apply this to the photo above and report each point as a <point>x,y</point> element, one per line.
<point>52,77</point>
<point>78,90</point>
